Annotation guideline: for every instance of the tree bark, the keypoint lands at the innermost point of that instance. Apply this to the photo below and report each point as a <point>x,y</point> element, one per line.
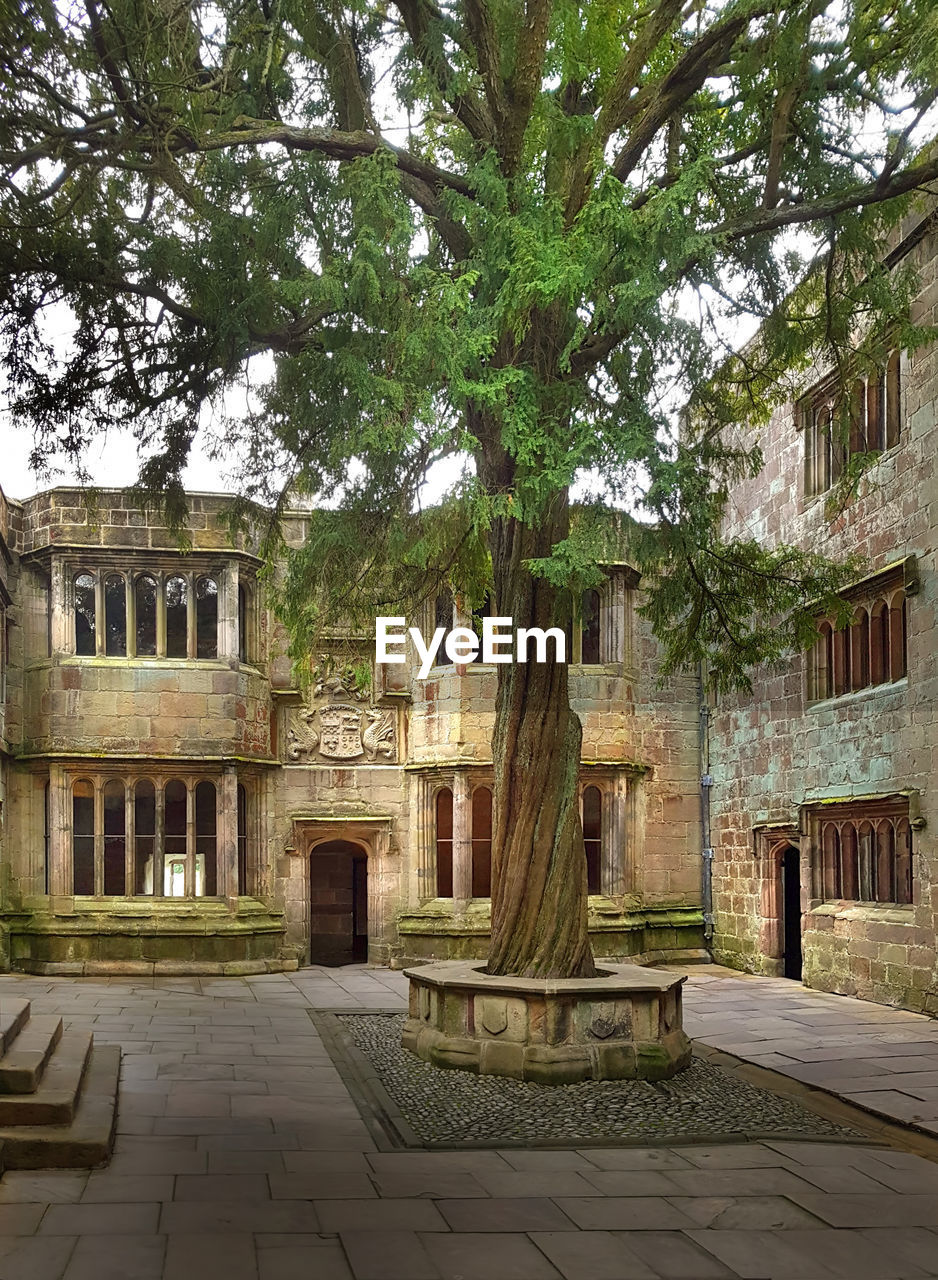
<point>539,881</point>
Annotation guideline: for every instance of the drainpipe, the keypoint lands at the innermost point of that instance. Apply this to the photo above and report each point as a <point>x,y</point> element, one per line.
<point>706,782</point>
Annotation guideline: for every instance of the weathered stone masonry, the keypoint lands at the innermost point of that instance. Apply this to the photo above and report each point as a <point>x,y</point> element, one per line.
<point>173,803</point>
<point>170,801</point>
<point>828,771</point>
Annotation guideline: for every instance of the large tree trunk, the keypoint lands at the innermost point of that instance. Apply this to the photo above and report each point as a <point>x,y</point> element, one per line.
<point>539,884</point>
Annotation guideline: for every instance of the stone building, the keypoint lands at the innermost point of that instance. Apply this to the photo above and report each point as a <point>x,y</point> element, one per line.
<point>823,798</point>
<point>172,803</point>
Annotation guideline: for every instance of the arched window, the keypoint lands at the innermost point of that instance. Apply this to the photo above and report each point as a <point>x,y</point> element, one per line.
<point>206,618</point>
<point>206,880</point>
<point>860,650</point>
<point>879,643</point>
<point>866,857</point>
<point>593,837</point>
<point>144,836</point>
<point>444,843</point>
<point>589,643</point>
<point>115,845</point>
<point>145,598</point>
<point>823,662</point>
<point>841,661</point>
<point>242,623</point>
<point>176,595</point>
<point>85,615</point>
<point>174,839</point>
<point>865,851</point>
<point>482,843</point>
<point>897,638</point>
<point>830,861</point>
<point>892,400</point>
<point>902,845</point>
<point>849,869</point>
<point>115,616</point>
<point>83,838</point>
<point>875,394</point>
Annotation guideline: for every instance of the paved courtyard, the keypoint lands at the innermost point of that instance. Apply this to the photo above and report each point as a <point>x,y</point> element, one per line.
<point>241,1155</point>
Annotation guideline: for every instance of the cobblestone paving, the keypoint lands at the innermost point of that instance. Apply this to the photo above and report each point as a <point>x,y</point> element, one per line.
<point>455,1106</point>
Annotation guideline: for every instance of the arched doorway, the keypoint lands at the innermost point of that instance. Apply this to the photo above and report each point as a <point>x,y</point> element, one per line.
<point>780,926</point>
<point>791,911</point>
<point>338,903</point>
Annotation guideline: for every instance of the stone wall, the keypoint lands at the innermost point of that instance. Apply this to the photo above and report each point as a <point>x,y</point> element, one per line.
<point>778,753</point>
<point>331,763</point>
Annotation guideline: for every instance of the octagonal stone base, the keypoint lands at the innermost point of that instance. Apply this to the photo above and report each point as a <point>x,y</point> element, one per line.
<point>624,1024</point>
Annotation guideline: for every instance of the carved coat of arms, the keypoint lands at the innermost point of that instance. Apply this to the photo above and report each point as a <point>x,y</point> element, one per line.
<point>333,727</point>
<point>340,731</point>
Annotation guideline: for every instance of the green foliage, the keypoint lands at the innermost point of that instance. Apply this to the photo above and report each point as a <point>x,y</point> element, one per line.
<point>520,235</point>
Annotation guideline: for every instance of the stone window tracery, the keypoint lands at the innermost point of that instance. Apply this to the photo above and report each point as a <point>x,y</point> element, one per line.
<point>144,615</point>
<point>863,851</point>
<point>482,842</point>
<point>460,826</point>
<point>840,421</point>
<point>146,837</point>
<point>870,651</point>
<point>592,817</point>
<point>444,842</point>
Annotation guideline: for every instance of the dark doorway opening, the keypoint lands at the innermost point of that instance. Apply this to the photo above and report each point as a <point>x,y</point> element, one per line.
<point>338,903</point>
<point>791,911</point>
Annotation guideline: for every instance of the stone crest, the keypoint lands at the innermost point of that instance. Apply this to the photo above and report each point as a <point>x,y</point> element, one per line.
<point>340,732</point>
<point>335,725</point>
<point>494,1015</point>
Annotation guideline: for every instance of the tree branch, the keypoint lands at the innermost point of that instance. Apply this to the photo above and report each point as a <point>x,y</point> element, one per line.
<point>426,33</point>
<point>763,220</point>
<point>337,144</point>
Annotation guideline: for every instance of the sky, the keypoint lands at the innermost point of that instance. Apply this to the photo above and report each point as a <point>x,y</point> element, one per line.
<point>112,461</point>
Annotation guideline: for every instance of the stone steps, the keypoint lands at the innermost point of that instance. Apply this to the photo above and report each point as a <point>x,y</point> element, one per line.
<point>58,1092</point>
<point>56,1096</point>
<point>14,1014</point>
<point>22,1065</point>
<point>84,1143</point>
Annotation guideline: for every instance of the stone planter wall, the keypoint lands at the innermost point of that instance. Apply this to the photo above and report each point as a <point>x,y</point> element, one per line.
<point>624,1024</point>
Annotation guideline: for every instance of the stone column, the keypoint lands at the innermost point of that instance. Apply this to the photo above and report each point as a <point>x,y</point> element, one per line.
<point>228,639</point>
<point>616,850</point>
<point>60,640</point>
<point>60,828</point>
<point>227,835</point>
<point>462,837</point>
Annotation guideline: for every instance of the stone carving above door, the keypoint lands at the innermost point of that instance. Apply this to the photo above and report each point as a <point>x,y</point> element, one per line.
<point>342,731</point>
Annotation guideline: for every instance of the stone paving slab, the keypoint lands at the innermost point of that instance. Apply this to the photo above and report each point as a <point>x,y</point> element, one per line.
<point>882,1059</point>
<point>288,1195</point>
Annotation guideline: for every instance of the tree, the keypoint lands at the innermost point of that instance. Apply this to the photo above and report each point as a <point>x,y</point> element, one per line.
<point>516,231</point>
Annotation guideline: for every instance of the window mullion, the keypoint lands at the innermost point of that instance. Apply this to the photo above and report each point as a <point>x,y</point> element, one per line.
<point>191,639</point>
<point>98,838</point>
<point>130,839</point>
<point>130,611</point>
<point>159,840</point>
<point>161,615</point>
<point>190,839</point>
<point>99,636</point>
